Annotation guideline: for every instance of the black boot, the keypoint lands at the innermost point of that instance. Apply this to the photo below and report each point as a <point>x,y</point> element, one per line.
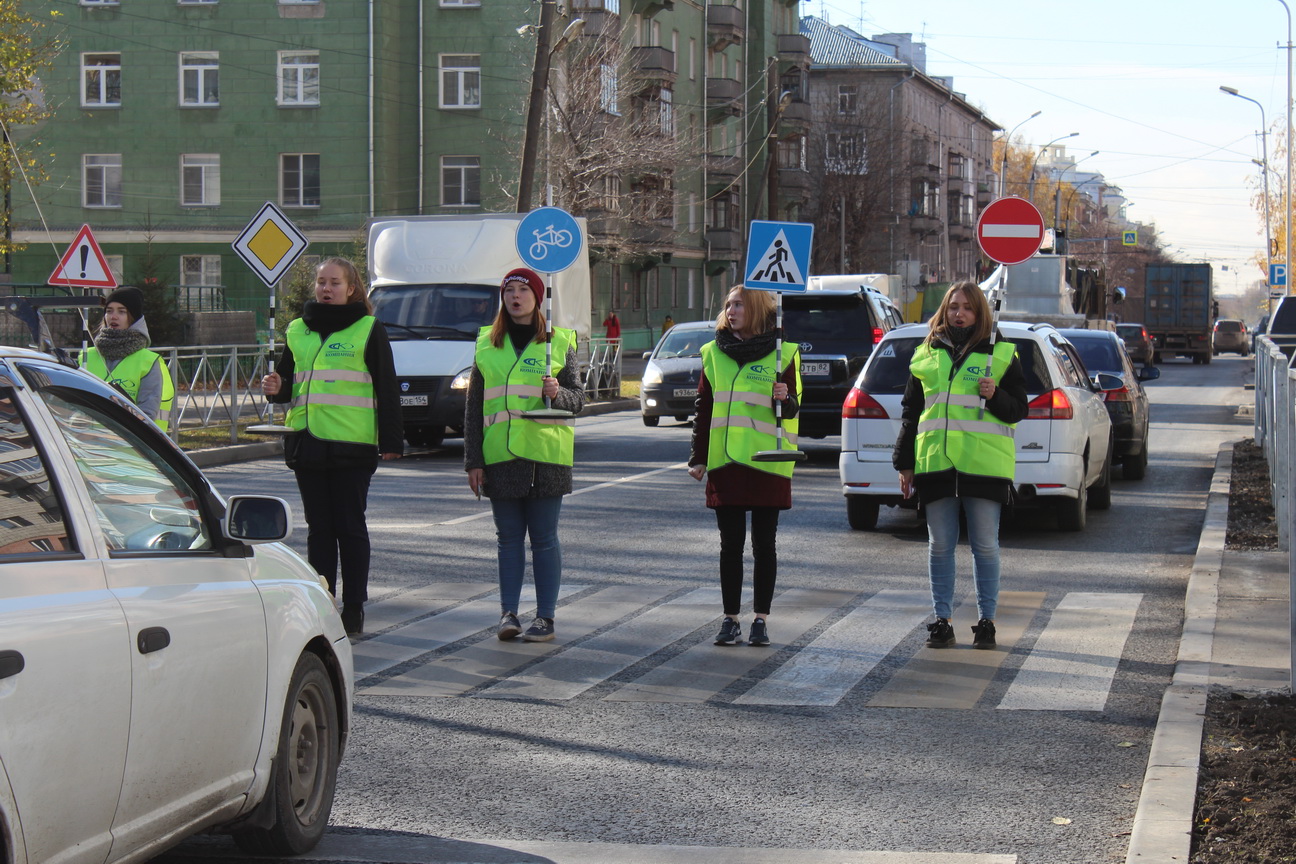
<point>353,618</point>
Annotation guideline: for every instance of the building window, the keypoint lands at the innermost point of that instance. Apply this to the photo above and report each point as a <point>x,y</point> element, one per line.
<point>460,80</point>
<point>666,113</point>
<point>200,179</point>
<point>98,2</point>
<point>200,78</point>
<point>197,2</point>
<point>791,154</point>
<point>100,80</point>
<point>845,153</point>
<point>459,4</point>
<point>101,180</point>
<point>200,270</point>
<point>608,89</point>
<point>847,98</point>
<point>299,179</point>
<point>460,181</point>
<point>722,211</point>
<point>299,78</point>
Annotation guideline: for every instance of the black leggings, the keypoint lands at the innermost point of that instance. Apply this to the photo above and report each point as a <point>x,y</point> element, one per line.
<point>732,522</point>
<point>334,500</point>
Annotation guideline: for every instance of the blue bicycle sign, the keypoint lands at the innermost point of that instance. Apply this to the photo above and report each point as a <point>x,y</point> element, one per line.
<point>549,240</point>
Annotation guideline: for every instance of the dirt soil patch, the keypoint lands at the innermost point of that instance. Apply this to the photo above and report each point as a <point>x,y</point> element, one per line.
<point>1246,785</point>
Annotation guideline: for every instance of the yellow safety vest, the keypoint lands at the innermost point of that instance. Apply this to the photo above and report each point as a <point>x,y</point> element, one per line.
<point>953,432</point>
<point>129,374</point>
<point>333,390</point>
<point>742,416</point>
<point>512,384</point>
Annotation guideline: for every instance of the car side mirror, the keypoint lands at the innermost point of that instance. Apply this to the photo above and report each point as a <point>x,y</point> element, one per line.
<point>647,354</point>
<point>1149,373</point>
<point>1107,381</point>
<point>257,519</point>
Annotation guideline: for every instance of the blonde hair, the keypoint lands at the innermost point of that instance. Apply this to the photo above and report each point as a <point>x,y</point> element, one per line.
<point>759,306</point>
<point>939,321</point>
<point>356,292</point>
<point>500,326</point>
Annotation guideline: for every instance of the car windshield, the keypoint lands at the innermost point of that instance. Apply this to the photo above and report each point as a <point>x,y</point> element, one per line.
<point>811,317</point>
<point>683,343</point>
<point>434,311</point>
<point>1129,331</point>
<point>1228,326</point>
<point>888,368</point>
<point>1099,354</point>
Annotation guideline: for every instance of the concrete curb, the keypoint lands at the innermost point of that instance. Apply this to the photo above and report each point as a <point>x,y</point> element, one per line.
<point>213,456</point>
<point>1162,830</point>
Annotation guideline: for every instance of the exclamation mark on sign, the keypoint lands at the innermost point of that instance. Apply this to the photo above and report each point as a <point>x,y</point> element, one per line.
<point>85,256</point>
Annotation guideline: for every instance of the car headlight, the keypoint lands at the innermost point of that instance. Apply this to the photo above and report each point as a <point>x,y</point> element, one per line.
<point>461,380</point>
<point>652,375</point>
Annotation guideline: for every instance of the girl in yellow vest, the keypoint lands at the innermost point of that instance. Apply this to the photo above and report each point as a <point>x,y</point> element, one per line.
<point>337,374</point>
<point>121,357</point>
<point>524,466</point>
<point>735,420</point>
<point>953,455</point>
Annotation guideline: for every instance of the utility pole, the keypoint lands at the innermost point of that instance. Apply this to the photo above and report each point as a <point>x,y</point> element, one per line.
<point>536,106</point>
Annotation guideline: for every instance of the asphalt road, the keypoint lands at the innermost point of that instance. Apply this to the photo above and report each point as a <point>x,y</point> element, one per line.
<point>631,735</point>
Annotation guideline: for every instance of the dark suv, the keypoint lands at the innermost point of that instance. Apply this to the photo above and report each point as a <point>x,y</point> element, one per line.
<point>836,329</point>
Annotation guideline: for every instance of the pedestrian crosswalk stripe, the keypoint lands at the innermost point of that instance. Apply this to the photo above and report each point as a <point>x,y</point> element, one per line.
<point>419,602</point>
<point>427,634</point>
<point>1073,663</point>
<point>491,660</point>
<point>823,672</point>
<point>957,677</point>
<point>705,669</point>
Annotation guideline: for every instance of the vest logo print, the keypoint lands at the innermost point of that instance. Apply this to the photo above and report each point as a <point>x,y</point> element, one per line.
<point>761,369</point>
<point>341,346</point>
<point>975,371</point>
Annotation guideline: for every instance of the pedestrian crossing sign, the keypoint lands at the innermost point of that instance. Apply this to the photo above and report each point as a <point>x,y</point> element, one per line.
<point>778,256</point>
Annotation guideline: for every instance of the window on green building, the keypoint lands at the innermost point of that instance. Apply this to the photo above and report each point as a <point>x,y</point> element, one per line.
<point>299,78</point>
<point>460,181</point>
<point>299,180</point>
<point>200,78</point>
<point>460,80</point>
<point>200,179</point>
<point>101,180</point>
<point>100,80</point>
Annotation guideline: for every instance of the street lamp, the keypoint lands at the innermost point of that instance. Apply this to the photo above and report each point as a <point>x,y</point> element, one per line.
<point>1264,164</point>
<point>1035,161</point>
<point>1003,163</point>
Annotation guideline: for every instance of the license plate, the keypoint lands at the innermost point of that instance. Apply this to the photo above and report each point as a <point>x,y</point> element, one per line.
<point>410,401</point>
<point>685,391</point>
<point>815,368</point>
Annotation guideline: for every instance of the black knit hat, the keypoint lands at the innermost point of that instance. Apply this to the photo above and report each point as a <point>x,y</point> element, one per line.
<point>131,298</point>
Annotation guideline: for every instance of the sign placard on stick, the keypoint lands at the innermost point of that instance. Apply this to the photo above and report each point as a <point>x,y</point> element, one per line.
<point>1010,230</point>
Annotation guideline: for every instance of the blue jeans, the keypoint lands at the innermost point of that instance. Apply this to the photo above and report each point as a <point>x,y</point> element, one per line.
<point>515,518</point>
<point>983,537</point>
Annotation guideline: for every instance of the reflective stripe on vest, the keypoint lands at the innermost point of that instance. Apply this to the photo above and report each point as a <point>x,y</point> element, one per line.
<point>511,385</point>
<point>130,373</point>
<point>950,432</point>
<point>742,414</point>
<point>333,391</point>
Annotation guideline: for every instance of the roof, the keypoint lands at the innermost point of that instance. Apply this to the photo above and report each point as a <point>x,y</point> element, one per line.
<point>837,47</point>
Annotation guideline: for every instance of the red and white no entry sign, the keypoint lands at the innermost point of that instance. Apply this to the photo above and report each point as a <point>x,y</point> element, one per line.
<point>1010,230</point>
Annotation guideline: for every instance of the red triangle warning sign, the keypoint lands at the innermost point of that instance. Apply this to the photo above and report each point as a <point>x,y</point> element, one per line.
<point>83,265</point>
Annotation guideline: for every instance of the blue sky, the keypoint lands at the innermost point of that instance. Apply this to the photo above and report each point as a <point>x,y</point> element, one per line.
<point>1140,82</point>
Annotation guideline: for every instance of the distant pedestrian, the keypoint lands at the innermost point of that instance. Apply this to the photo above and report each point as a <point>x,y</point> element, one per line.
<point>336,373</point>
<point>523,465</point>
<point>735,420</point>
<point>667,323</point>
<point>121,357</point>
<point>612,326</point>
<point>956,456</point>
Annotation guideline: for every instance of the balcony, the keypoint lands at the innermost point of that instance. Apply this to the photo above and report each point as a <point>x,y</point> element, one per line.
<point>659,233</point>
<point>725,96</point>
<point>724,242</point>
<point>984,194</point>
<point>920,223</point>
<point>794,182</point>
<point>794,48</point>
<point>960,233</point>
<point>655,64</point>
<point>600,22</point>
<point>725,25</point>
<point>722,169</point>
<point>795,119</point>
<point>649,8</point>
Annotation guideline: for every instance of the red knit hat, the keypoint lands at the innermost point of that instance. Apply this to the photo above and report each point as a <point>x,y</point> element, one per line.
<point>531,278</point>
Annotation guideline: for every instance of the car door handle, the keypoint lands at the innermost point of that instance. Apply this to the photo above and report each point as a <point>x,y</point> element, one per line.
<point>152,639</point>
<point>11,663</point>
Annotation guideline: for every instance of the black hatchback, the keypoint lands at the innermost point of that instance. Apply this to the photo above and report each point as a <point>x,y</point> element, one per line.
<point>1128,407</point>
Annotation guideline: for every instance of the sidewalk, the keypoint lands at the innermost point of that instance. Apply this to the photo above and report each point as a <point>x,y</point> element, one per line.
<point>1235,636</point>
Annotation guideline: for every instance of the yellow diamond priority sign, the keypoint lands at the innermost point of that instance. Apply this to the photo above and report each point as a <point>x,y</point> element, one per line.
<point>270,244</point>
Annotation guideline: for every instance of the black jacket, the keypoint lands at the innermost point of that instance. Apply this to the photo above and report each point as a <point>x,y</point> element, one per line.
<point>1008,405</point>
<point>303,450</point>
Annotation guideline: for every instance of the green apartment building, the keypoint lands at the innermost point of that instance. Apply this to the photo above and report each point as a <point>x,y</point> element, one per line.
<point>174,121</point>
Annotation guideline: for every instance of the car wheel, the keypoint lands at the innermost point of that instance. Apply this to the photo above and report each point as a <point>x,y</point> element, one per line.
<point>651,421</point>
<point>1071,512</point>
<point>1206,359</point>
<point>1100,493</point>
<point>305,766</point>
<point>861,512</point>
<point>681,418</point>
<point>425,436</point>
<point>1135,467</point>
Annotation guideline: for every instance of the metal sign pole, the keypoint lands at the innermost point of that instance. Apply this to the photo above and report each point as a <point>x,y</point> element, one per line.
<point>270,427</point>
<point>548,411</point>
<point>779,454</point>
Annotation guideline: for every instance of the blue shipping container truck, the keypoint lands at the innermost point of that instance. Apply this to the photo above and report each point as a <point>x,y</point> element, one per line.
<point>1177,310</point>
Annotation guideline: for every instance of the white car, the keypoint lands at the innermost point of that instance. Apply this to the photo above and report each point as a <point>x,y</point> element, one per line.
<point>1064,445</point>
<point>165,667</point>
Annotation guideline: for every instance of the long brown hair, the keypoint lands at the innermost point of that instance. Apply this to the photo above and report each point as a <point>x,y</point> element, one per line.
<point>759,306</point>
<point>356,292</point>
<point>500,326</point>
<point>937,324</point>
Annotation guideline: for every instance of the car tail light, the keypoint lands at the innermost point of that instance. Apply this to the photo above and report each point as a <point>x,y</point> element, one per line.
<point>1121,395</point>
<point>1053,405</point>
<point>861,406</point>
<point>877,335</point>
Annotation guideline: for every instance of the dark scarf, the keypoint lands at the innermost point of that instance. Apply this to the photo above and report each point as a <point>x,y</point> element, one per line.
<point>116,345</point>
<point>521,335</point>
<point>744,351</point>
<point>327,318</point>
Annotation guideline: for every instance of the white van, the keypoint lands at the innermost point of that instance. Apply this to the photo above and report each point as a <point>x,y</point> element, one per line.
<point>434,282</point>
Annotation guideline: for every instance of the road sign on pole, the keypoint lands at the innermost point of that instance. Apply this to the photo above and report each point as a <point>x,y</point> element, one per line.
<point>1278,276</point>
<point>549,240</point>
<point>1010,230</point>
<point>270,244</point>
<point>83,265</point>
<point>778,256</point>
